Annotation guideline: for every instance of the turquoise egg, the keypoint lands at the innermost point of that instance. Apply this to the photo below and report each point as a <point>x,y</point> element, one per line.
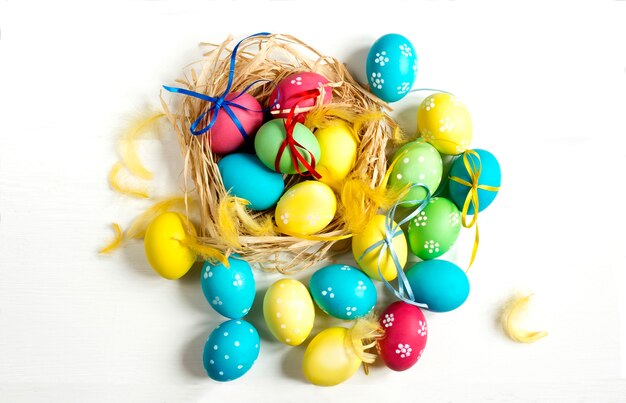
<point>391,67</point>
<point>490,175</point>
<point>343,291</point>
<point>230,291</point>
<point>245,176</point>
<point>440,284</point>
<point>231,349</point>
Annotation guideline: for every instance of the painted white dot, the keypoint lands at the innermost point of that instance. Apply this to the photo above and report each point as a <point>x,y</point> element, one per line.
<point>239,366</point>
<point>215,347</point>
<point>237,344</point>
<point>211,362</point>
<point>238,322</point>
<point>282,285</point>
<point>399,176</point>
<point>226,357</point>
<point>406,160</point>
<point>296,331</point>
<point>288,340</point>
<point>225,334</point>
<point>256,346</point>
<point>251,331</point>
<point>422,176</point>
<point>421,158</point>
<point>279,300</point>
<point>278,314</point>
<point>283,326</point>
<point>221,372</point>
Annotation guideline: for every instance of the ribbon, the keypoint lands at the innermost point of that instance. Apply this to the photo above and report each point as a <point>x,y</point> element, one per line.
<point>221,103</point>
<point>474,169</point>
<point>290,142</point>
<point>404,291</point>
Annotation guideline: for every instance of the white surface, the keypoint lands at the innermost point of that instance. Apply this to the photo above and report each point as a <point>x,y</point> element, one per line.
<point>546,88</point>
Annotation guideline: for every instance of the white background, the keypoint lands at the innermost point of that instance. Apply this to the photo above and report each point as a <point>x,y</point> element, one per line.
<point>546,86</point>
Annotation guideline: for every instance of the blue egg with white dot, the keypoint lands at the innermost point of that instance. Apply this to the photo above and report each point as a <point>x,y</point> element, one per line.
<point>490,175</point>
<point>440,284</point>
<point>391,67</point>
<point>245,176</point>
<point>342,291</point>
<point>231,349</point>
<point>230,291</point>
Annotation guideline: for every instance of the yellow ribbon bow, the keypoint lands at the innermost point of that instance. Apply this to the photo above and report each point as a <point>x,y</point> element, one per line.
<point>474,169</point>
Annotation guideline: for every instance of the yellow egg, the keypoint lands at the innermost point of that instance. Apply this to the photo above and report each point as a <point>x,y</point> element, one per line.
<point>163,248</point>
<point>338,147</point>
<point>375,231</point>
<point>445,123</point>
<point>306,208</point>
<point>328,359</point>
<point>288,311</point>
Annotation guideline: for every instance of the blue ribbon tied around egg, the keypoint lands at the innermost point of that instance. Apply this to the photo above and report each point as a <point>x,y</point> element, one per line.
<point>392,230</point>
<point>221,103</point>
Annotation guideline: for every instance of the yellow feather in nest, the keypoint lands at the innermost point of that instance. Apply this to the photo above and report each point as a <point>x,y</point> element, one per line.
<point>233,218</point>
<point>512,317</point>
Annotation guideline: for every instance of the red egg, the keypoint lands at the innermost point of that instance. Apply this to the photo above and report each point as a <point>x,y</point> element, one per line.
<point>225,136</point>
<point>292,89</point>
<point>405,335</point>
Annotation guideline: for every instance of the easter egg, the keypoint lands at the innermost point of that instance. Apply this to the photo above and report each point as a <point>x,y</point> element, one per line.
<point>343,291</point>
<point>272,134</point>
<point>445,123</point>
<point>289,311</point>
<point>338,147</point>
<point>245,176</point>
<point>225,136</point>
<point>230,291</point>
<point>231,349</point>
<point>416,162</point>
<point>328,359</point>
<point>290,90</point>
<point>435,229</point>
<point>440,284</point>
<point>164,250</point>
<point>306,208</point>
<point>490,175</point>
<point>391,67</point>
<point>406,333</point>
<point>373,233</point>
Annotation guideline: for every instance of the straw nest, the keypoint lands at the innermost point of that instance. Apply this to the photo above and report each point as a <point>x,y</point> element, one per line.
<point>271,58</point>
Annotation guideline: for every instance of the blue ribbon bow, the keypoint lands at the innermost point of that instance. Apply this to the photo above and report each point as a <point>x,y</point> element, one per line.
<point>404,291</point>
<point>221,103</point>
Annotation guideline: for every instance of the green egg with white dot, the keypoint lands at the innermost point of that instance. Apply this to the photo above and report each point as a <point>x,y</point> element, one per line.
<point>435,229</point>
<point>416,162</point>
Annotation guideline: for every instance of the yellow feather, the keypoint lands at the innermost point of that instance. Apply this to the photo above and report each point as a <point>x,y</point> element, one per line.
<point>128,145</point>
<point>139,225</point>
<point>512,315</point>
<point>207,252</point>
<point>116,242</point>
<point>363,335</point>
<point>114,181</point>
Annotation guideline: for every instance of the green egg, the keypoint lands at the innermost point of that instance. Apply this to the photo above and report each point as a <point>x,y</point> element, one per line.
<point>270,136</point>
<point>418,162</point>
<point>435,229</point>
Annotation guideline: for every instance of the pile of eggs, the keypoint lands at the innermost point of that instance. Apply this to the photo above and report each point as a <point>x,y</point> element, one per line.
<point>342,291</point>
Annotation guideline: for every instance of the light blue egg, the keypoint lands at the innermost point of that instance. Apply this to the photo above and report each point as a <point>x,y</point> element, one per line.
<point>343,291</point>
<point>246,177</point>
<point>230,291</point>
<point>440,284</point>
<point>490,175</point>
<point>391,67</point>
<point>231,349</point>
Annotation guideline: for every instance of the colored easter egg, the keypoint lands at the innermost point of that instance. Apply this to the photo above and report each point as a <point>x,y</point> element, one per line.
<point>225,136</point>
<point>435,229</point>
<point>231,349</point>
<point>289,312</point>
<point>490,175</point>
<point>338,147</point>
<point>416,162</point>
<point>444,122</point>
<point>306,208</point>
<point>373,233</point>
<point>405,338</point>
<point>343,291</point>
<point>271,135</point>
<point>391,67</point>
<point>245,176</point>
<point>164,250</point>
<point>328,360</point>
<point>230,291</point>
<point>440,284</point>
<point>290,90</point>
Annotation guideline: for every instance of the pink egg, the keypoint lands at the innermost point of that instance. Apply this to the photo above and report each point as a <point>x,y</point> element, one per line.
<point>291,90</point>
<point>225,136</point>
<point>405,335</point>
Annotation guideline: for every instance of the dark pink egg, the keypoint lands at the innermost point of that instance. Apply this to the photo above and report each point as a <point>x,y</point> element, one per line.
<point>405,335</point>
<point>291,90</point>
<point>225,136</point>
